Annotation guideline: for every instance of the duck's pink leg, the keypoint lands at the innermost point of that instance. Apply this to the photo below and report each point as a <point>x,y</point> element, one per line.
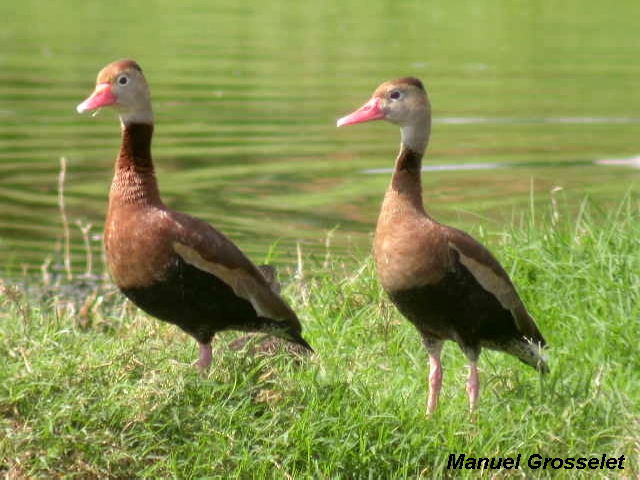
<point>204,362</point>
<point>435,373</point>
<point>473,386</point>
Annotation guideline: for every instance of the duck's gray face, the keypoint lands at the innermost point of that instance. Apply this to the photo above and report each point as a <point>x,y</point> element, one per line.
<point>403,102</point>
<point>120,84</point>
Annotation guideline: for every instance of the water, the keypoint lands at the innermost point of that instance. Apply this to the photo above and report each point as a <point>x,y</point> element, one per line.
<point>246,97</point>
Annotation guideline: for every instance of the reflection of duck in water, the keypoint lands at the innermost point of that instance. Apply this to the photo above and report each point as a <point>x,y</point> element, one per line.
<point>445,282</point>
<point>171,265</point>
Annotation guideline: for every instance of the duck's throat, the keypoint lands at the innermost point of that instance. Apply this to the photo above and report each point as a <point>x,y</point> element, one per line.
<point>406,186</point>
<point>405,190</point>
<point>408,161</point>
<point>135,151</point>
<point>416,135</point>
<point>134,180</point>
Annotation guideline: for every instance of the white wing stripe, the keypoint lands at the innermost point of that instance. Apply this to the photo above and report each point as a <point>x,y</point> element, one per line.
<point>489,280</point>
<point>242,284</point>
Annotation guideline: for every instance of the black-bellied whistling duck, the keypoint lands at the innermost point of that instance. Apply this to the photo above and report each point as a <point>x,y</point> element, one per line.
<point>445,282</point>
<point>174,266</point>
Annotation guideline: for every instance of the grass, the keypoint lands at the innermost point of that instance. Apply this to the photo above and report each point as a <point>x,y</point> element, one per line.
<point>110,392</point>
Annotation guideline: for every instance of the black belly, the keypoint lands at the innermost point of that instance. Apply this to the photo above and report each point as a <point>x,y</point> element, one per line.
<point>196,301</point>
<point>457,308</point>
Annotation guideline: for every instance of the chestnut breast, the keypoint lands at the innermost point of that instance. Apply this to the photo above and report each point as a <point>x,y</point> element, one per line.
<point>409,252</point>
<point>138,242</point>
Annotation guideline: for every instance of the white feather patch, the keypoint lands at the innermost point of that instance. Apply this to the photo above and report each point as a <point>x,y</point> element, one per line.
<point>490,280</point>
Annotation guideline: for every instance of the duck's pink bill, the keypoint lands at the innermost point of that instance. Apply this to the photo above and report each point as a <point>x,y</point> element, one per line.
<point>369,111</point>
<point>101,97</point>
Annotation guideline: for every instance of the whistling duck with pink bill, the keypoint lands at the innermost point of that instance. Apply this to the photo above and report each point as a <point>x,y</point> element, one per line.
<point>174,266</point>
<point>441,279</point>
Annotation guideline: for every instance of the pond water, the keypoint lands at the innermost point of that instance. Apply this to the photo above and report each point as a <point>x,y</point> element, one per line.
<point>527,96</point>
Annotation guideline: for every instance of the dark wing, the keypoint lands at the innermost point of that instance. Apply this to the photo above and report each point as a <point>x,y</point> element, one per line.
<point>494,279</point>
<point>202,246</point>
<point>271,276</point>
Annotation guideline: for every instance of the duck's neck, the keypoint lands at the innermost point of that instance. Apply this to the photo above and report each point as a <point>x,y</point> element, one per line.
<point>405,188</point>
<point>135,182</point>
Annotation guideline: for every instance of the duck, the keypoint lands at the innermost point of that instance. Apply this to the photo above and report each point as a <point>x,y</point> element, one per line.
<point>175,267</point>
<point>446,283</point>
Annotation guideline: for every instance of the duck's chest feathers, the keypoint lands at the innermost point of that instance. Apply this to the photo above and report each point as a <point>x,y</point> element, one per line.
<point>138,243</point>
<point>409,252</point>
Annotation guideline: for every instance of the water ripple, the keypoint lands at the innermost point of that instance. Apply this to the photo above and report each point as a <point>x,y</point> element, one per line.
<point>633,162</point>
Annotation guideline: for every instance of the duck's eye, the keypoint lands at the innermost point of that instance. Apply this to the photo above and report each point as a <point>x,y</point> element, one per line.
<point>123,80</point>
<point>395,95</point>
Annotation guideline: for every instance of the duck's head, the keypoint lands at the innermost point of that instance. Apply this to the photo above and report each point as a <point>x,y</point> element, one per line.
<point>122,85</point>
<point>403,101</point>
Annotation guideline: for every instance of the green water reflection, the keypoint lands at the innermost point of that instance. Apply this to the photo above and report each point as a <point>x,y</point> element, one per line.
<point>246,97</point>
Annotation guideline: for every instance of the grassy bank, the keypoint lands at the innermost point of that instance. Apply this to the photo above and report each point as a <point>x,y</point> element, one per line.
<point>90,387</point>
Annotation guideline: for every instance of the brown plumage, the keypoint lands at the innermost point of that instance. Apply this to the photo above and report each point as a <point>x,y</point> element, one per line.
<point>441,279</point>
<point>174,266</point>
